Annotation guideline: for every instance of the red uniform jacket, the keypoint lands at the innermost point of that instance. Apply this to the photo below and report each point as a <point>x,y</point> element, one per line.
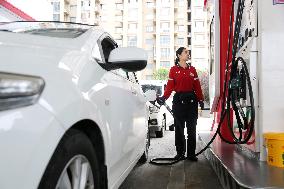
<point>183,80</point>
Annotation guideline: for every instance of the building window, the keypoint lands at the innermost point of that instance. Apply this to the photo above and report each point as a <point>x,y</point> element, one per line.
<point>132,27</point>
<point>119,6</point>
<point>165,3</point>
<point>181,28</point>
<point>165,40</point>
<point>103,7</point>
<point>189,41</point>
<point>165,52</point>
<point>133,14</point>
<point>56,17</point>
<point>181,15</point>
<point>181,3</point>
<point>56,7</point>
<point>149,41</point>
<point>132,1</point>
<point>200,37</point>
<point>150,53</point>
<point>149,29</point>
<point>189,17</point>
<point>199,13</point>
<point>118,18</point>
<point>149,17</point>
<point>180,41</point>
<point>165,27</point>
<point>118,30</point>
<point>199,52</point>
<point>132,41</point>
<point>150,66</point>
<point>150,4</point>
<point>165,12</point>
<point>199,24</point>
<point>72,19</point>
<point>165,64</point>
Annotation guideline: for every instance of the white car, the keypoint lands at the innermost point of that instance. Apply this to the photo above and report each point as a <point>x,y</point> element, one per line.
<point>72,114</point>
<point>160,118</point>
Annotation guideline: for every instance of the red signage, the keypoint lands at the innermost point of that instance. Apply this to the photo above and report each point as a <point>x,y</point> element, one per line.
<point>278,2</point>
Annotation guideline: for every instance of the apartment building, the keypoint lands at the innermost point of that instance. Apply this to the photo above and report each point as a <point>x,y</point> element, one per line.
<point>199,43</point>
<point>80,11</point>
<point>158,26</point>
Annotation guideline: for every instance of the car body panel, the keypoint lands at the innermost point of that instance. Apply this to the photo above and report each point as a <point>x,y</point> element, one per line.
<point>26,143</point>
<point>77,88</point>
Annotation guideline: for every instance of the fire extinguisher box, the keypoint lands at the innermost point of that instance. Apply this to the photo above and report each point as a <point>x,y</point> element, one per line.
<point>275,148</point>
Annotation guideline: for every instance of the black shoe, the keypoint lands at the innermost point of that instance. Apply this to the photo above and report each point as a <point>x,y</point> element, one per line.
<point>192,158</point>
<point>179,156</point>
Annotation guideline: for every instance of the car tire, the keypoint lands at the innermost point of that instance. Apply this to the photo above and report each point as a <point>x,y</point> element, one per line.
<point>160,134</point>
<point>74,149</point>
<point>144,157</point>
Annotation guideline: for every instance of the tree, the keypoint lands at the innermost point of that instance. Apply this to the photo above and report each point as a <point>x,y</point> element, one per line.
<point>161,74</point>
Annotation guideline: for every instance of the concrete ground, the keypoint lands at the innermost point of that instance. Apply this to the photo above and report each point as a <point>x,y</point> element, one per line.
<point>183,175</point>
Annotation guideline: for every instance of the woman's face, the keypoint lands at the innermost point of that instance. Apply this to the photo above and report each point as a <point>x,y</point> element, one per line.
<point>184,56</point>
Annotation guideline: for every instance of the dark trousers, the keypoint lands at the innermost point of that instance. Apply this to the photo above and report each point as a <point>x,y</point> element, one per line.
<point>185,110</point>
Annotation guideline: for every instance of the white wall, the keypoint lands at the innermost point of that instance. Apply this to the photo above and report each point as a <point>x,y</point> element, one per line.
<point>271,34</point>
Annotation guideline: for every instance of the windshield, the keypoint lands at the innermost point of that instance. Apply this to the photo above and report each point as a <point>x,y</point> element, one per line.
<point>158,89</point>
<point>51,29</point>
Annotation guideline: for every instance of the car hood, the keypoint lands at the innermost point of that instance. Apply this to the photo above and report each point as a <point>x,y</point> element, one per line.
<point>30,54</point>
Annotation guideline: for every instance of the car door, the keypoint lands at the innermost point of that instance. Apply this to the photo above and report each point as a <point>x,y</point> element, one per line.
<point>118,113</point>
<point>140,120</point>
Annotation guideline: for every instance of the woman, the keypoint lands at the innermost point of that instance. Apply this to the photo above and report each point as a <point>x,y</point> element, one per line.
<point>183,79</point>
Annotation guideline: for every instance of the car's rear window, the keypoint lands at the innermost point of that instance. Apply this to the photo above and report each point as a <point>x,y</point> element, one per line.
<point>51,29</point>
<point>147,87</point>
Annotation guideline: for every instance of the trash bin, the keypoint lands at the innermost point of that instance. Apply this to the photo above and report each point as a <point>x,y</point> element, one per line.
<point>275,148</point>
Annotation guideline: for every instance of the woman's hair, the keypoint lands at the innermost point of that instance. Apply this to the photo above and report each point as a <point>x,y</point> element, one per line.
<point>178,52</point>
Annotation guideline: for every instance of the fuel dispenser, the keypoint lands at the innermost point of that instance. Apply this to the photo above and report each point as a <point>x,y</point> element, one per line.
<point>246,70</point>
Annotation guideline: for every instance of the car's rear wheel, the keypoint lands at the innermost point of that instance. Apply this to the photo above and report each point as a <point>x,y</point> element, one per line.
<point>73,165</point>
<point>160,134</point>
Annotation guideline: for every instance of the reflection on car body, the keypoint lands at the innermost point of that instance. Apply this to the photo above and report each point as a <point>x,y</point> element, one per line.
<point>70,105</point>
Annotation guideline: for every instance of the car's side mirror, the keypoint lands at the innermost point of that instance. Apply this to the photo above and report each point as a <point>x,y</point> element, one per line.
<point>131,59</point>
<point>150,95</point>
